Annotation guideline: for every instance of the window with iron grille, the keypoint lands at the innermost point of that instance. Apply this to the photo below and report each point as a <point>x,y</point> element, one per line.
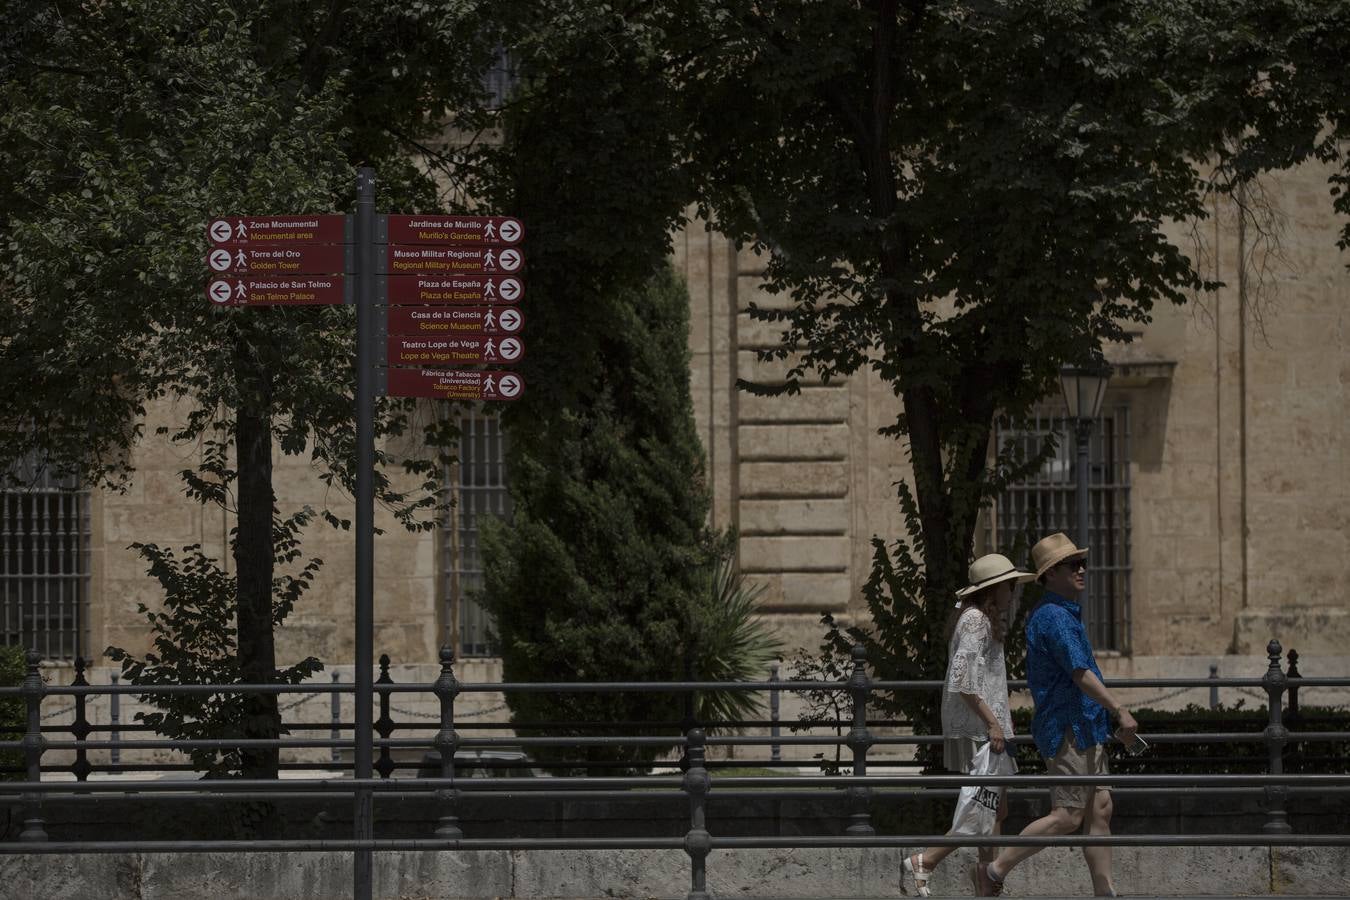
<point>44,565</point>
<point>478,481</point>
<point>1047,501</point>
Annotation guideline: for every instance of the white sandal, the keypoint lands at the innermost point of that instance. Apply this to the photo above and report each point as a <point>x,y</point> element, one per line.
<point>914,866</point>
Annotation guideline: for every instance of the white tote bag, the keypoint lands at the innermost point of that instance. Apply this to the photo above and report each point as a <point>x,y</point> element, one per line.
<point>977,807</point>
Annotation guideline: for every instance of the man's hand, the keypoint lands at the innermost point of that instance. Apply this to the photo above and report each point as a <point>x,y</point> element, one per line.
<point>1128,726</point>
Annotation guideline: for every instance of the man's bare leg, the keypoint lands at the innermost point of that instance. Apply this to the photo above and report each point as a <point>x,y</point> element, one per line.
<point>1061,820</point>
<point>1099,858</point>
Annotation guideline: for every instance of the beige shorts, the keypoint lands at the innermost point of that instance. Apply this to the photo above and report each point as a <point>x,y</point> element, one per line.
<point>1072,761</point>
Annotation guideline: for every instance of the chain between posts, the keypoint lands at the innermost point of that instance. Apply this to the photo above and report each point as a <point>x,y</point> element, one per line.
<point>32,691</point>
<point>446,689</point>
<point>859,740</point>
<point>1277,735</point>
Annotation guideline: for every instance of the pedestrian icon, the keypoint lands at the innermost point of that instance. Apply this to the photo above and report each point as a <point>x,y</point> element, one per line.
<point>489,386</point>
<point>510,288</point>
<point>241,231</point>
<point>220,231</point>
<point>510,231</point>
<point>509,261</point>
<point>489,321</point>
<point>509,320</point>
<point>489,232</point>
<point>511,385</point>
<point>220,260</point>
<point>489,290</point>
<point>241,292</point>
<point>511,349</point>
<point>489,349</point>
<point>489,259</point>
<point>219,292</point>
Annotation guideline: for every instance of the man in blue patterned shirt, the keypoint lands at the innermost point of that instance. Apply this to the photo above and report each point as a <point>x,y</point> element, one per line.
<point>1072,725</point>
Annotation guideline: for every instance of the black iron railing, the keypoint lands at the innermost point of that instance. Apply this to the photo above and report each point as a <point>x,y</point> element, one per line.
<point>697,783</point>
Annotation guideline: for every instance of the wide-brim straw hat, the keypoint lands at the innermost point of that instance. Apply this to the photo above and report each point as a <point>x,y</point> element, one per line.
<point>990,570</point>
<point>1052,550</point>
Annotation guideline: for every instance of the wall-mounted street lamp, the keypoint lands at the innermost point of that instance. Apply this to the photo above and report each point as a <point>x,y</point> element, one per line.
<point>1084,389</point>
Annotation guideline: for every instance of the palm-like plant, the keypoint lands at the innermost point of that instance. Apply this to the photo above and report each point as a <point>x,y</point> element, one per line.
<point>729,641</point>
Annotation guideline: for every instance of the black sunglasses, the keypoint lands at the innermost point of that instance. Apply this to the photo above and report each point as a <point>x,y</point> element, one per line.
<point>1073,565</point>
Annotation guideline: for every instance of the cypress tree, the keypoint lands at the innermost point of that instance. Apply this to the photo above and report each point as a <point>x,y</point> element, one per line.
<point>603,572</point>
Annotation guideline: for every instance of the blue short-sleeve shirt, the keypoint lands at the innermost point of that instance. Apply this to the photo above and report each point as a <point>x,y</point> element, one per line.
<point>1057,644</point>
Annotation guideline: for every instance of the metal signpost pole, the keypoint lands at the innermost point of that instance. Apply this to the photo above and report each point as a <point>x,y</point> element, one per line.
<point>362,818</point>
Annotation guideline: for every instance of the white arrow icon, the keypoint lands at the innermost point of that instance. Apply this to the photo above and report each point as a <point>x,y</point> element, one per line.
<point>509,260</point>
<point>510,349</point>
<point>510,385</point>
<point>509,231</point>
<point>509,320</point>
<point>219,291</point>
<point>220,260</point>
<point>220,231</point>
<point>510,288</point>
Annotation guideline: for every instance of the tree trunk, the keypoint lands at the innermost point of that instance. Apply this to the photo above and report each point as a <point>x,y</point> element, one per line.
<point>254,561</point>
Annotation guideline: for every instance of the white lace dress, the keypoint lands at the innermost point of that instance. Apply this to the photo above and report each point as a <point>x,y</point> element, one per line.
<point>974,666</point>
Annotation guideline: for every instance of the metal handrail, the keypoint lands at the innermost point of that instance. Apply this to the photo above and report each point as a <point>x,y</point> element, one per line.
<point>694,787</point>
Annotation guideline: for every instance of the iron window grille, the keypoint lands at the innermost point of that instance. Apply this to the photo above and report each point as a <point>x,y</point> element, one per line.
<point>1046,502</point>
<point>478,481</point>
<point>45,564</point>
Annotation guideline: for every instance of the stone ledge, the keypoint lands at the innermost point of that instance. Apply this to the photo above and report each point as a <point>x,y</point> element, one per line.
<point>819,874</point>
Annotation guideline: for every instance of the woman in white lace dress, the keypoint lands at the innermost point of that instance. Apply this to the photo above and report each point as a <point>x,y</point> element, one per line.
<point>975,700</point>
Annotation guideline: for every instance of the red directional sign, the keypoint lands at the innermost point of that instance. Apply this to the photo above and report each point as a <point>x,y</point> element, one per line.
<point>277,230</point>
<point>455,384</point>
<point>403,259</point>
<point>466,289</point>
<point>458,321</point>
<point>463,230</point>
<point>317,259</point>
<point>306,290</point>
<point>439,351</point>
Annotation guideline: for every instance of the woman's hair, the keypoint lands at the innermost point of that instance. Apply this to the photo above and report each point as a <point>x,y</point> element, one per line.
<point>983,600</point>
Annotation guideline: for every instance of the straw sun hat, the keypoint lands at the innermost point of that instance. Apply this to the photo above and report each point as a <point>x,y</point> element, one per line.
<point>990,570</point>
<point>1052,550</point>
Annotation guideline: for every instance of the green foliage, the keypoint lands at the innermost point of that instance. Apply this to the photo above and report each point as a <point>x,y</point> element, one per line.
<point>731,642</point>
<point>1216,757</point>
<point>13,717</point>
<point>196,642</point>
<point>606,570</point>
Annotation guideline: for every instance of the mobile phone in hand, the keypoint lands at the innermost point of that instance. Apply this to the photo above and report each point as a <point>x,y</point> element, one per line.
<point>1135,747</point>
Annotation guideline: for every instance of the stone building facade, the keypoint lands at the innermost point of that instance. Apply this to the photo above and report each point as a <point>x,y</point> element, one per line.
<point>1228,480</point>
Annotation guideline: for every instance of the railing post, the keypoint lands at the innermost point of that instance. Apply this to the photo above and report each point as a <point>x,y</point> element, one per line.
<point>336,717</point>
<point>32,690</point>
<point>115,719</point>
<point>1277,822</point>
<point>447,742</point>
<point>80,729</point>
<point>775,750</point>
<point>1293,672</point>
<point>384,725</point>
<point>859,739</point>
<point>698,842</point>
<point>1213,688</point>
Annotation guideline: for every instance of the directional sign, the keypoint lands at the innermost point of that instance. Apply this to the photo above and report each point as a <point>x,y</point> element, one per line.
<point>277,230</point>
<point>467,289</point>
<point>317,259</point>
<point>434,351</point>
<point>305,290</point>
<point>457,322</point>
<point>403,259</point>
<point>454,384</point>
<point>463,230</point>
